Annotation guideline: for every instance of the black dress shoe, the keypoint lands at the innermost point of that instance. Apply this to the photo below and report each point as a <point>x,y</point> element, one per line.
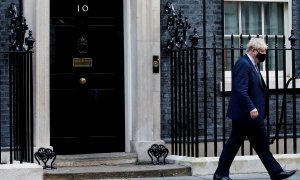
<point>284,175</point>
<point>218,177</point>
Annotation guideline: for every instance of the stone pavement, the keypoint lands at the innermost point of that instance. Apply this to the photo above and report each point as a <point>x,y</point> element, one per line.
<point>250,176</point>
<point>179,168</point>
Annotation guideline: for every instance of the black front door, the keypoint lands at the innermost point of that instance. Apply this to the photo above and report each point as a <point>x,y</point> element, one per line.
<point>86,76</point>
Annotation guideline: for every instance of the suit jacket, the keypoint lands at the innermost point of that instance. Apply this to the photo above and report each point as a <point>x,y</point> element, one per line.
<point>248,92</point>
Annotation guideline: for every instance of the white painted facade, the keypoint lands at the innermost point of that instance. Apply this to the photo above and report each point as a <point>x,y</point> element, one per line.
<point>142,86</point>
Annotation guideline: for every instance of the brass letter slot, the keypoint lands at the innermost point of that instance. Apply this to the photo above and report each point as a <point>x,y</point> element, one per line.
<point>82,62</point>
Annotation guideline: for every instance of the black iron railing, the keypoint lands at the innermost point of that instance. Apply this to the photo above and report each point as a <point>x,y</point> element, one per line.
<point>16,122</point>
<point>200,93</point>
<point>21,106</point>
<point>200,85</point>
<point>17,99</point>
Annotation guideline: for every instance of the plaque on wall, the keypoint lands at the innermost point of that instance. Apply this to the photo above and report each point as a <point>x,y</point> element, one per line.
<point>82,62</point>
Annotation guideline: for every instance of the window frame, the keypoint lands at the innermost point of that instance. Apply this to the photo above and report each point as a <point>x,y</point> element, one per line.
<point>287,13</point>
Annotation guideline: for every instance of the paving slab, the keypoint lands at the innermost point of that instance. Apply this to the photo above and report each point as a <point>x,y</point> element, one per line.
<point>248,176</point>
<point>116,172</point>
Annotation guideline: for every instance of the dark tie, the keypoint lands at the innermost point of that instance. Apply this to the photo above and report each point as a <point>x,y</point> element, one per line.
<point>256,67</point>
<point>259,75</point>
<point>257,70</point>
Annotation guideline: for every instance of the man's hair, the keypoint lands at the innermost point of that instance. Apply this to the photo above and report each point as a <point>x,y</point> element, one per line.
<point>256,43</point>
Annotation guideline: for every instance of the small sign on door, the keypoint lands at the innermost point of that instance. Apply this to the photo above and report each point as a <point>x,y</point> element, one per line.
<point>82,62</point>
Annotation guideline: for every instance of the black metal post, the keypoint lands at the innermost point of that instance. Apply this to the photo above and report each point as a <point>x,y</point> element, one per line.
<point>188,102</point>
<point>284,98</point>
<point>293,39</point>
<point>20,84</point>
<point>192,102</point>
<point>172,102</point>
<point>215,96</point>
<point>205,78</point>
<point>223,70</point>
<point>196,104</point>
<point>276,93</point>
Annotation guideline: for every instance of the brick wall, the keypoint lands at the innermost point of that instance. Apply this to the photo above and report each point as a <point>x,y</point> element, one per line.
<point>296,27</point>
<point>194,11</point>
<point>4,88</point>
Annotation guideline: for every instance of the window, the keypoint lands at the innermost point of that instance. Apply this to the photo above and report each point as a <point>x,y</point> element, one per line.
<point>244,19</point>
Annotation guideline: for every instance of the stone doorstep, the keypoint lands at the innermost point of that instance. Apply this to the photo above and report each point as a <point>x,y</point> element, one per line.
<point>117,171</point>
<point>95,159</point>
<point>241,164</point>
<point>109,165</point>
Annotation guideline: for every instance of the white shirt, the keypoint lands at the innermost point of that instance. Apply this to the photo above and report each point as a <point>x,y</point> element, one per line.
<point>252,60</point>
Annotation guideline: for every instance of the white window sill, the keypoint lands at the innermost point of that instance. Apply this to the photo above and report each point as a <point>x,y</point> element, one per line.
<point>272,83</point>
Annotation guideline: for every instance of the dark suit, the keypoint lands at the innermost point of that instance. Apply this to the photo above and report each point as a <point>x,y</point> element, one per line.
<point>248,92</point>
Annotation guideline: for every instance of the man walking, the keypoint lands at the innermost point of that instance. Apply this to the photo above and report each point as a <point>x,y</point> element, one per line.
<point>246,109</point>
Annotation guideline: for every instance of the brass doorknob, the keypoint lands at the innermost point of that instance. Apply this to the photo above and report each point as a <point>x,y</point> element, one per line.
<point>82,80</point>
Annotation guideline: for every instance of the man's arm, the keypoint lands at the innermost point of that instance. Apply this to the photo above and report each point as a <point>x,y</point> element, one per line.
<point>240,87</point>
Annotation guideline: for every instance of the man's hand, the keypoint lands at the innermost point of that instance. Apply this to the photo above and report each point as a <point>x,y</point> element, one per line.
<point>254,113</point>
